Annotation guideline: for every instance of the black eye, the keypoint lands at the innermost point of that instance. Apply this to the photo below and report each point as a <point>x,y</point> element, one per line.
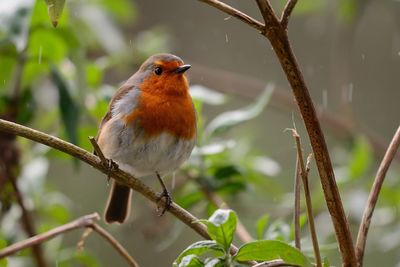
<point>158,70</point>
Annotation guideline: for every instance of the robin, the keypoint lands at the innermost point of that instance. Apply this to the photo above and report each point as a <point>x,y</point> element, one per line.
<point>150,128</point>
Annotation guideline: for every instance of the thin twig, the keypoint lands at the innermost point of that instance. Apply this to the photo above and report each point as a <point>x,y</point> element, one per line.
<point>277,35</point>
<point>81,222</point>
<point>296,210</point>
<point>304,176</point>
<point>118,174</point>
<point>287,11</point>
<point>235,13</point>
<point>121,250</point>
<point>373,196</point>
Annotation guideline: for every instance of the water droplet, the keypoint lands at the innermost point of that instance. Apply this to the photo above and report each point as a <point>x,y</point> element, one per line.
<point>226,37</point>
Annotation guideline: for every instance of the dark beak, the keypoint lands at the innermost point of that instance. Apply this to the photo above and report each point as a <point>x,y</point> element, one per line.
<point>182,69</point>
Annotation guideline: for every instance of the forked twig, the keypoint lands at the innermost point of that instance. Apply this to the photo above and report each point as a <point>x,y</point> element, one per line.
<point>373,196</point>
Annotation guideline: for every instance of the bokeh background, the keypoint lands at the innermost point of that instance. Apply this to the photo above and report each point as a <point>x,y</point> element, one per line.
<point>59,80</point>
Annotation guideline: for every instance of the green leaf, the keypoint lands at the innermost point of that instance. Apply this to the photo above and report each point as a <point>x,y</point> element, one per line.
<point>266,250</point>
<point>55,8</point>
<point>261,226</point>
<point>200,248</point>
<point>229,119</point>
<point>221,226</point>
<point>191,261</point>
<point>3,244</point>
<point>361,158</point>
<point>68,108</point>
<point>347,10</point>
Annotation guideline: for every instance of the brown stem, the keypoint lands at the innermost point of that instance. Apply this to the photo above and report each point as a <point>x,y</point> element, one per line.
<point>83,221</point>
<point>373,196</point>
<point>304,176</point>
<point>296,210</point>
<point>287,11</point>
<point>119,175</point>
<point>277,35</point>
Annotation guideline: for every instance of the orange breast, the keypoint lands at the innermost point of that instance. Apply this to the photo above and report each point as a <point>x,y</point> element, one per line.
<point>165,106</point>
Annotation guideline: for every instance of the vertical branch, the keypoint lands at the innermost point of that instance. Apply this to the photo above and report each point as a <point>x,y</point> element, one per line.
<point>296,211</point>
<point>304,170</point>
<point>373,196</point>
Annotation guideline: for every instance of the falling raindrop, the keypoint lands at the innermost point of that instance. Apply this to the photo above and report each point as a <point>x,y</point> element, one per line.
<point>226,37</point>
<point>363,56</point>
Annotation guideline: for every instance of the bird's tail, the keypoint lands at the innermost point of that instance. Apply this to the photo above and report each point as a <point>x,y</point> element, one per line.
<point>118,204</point>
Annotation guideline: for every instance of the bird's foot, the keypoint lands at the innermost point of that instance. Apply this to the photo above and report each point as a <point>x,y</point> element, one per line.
<point>111,166</point>
<point>168,201</point>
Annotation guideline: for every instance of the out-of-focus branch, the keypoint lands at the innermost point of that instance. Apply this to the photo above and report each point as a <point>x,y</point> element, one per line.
<point>116,173</point>
<point>373,196</point>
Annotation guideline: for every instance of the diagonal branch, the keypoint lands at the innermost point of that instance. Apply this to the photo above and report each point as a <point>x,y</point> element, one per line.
<point>374,194</point>
<point>287,11</point>
<point>119,175</point>
<point>235,13</point>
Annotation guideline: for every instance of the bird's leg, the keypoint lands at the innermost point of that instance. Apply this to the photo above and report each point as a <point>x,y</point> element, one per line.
<point>164,194</point>
<point>112,166</point>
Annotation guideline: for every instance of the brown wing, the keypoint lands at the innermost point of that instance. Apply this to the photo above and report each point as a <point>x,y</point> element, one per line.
<point>118,95</point>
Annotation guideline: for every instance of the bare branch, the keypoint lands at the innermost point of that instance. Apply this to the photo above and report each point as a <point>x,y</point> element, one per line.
<point>307,193</point>
<point>116,173</point>
<point>235,13</point>
<point>81,222</point>
<point>287,11</point>
<point>373,196</point>
<point>296,210</point>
